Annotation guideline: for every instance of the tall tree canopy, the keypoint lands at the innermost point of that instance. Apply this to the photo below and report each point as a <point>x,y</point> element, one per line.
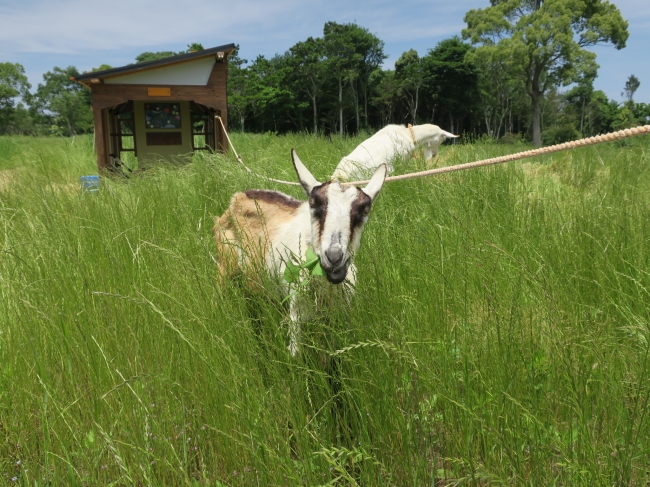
<point>13,84</point>
<point>545,39</point>
<point>153,56</point>
<point>63,102</point>
<point>631,85</point>
<point>352,53</point>
<point>451,81</point>
<point>409,72</point>
<point>309,73</point>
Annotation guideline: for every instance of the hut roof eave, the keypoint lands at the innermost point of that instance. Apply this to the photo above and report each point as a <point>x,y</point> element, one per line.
<point>132,68</point>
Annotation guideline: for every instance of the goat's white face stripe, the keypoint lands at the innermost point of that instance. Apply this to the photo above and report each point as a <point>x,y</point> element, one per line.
<point>338,217</point>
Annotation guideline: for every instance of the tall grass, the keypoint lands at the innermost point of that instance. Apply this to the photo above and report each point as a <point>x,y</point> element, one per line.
<point>499,333</point>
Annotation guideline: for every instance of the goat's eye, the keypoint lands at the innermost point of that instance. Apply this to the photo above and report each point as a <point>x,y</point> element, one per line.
<point>366,210</point>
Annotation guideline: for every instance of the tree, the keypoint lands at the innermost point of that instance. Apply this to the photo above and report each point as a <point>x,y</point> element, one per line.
<point>240,100</point>
<point>545,39</point>
<point>13,84</point>
<point>368,56</point>
<point>195,46</point>
<point>307,59</point>
<point>385,94</point>
<point>497,87</point>
<point>270,90</point>
<point>580,95</point>
<point>631,85</point>
<point>154,56</point>
<point>409,71</point>
<point>63,102</point>
<point>452,78</point>
<point>342,58</point>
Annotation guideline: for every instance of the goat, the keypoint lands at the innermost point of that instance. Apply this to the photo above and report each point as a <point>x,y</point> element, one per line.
<point>389,143</point>
<point>268,228</point>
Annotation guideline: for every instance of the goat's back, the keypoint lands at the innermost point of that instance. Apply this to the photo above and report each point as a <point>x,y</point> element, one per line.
<point>382,148</point>
<point>247,229</point>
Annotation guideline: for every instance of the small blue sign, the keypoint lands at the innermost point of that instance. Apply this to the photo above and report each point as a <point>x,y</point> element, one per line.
<point>89,184</point>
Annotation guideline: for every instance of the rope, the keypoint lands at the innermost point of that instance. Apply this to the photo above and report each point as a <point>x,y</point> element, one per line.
<point>598,139</point>
<point>291,183</point>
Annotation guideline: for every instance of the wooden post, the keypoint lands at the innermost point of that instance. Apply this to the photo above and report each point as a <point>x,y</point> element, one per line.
<point>100,140</point>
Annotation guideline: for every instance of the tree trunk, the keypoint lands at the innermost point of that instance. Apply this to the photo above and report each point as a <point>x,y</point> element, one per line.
<point>537,114</point>
<point>341,106</point>
<point>315,115</point>
<point>365,105</point>
<point>582,118</point>
<point>415,111</point>
<point>356,105</point>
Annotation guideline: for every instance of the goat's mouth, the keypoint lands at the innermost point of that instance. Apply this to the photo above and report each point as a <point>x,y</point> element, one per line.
<point>337,275</point>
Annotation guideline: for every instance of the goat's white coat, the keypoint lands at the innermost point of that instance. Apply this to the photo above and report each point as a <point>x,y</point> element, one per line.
<point>385,146</point>
<point>281,228</point>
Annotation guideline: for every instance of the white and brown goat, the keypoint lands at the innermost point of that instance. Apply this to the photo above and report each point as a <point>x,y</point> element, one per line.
<point>266,229</point>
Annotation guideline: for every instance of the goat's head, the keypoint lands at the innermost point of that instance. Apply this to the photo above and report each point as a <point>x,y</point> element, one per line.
<point>338,215</point>
<point>435,137</point>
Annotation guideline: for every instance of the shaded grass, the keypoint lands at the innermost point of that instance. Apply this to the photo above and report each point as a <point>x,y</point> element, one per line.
<point>499,333</point>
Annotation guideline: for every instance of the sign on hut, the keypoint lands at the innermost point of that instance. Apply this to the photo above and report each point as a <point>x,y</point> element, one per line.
<point>160,109</point>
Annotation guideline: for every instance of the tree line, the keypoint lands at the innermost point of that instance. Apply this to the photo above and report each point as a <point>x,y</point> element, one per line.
<point>501,79</point>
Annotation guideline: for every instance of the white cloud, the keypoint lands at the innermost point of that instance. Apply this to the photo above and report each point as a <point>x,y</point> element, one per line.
<point>75,26</point>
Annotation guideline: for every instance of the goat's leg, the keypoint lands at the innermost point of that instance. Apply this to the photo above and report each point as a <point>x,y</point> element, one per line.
<point>294,326</point>
<point>300,311</point>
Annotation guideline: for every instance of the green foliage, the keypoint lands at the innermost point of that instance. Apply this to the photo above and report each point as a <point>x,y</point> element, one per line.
<point>546,40</point>
<point>154,56</point>
<point>510,138</point>
<point>195,46</point>
<point>309,71</point>
<point>63,103</point>
<point>631,85</point>
<point>410,74</point>
<point>499,331</point>
<point>102,67</point>
<point>386,89</point>
<point>560,134</point>
<point>452,79</point>
<point>13,84</point>
<point>335,83</point>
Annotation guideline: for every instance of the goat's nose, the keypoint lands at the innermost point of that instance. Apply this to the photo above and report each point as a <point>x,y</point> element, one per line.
<point>334,255</point>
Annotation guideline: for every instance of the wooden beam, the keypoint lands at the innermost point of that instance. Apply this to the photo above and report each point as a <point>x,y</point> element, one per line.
<point>100,140</point>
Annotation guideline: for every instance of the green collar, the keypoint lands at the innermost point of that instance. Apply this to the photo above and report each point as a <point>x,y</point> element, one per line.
<point>312,264</point>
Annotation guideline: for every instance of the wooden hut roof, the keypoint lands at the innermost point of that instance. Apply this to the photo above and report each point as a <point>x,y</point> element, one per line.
<point>134,68</point>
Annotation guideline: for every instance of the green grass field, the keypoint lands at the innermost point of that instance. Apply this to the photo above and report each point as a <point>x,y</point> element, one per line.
<point>500,332</point>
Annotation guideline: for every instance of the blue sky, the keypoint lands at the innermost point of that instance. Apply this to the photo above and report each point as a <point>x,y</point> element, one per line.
<point>42,34</point>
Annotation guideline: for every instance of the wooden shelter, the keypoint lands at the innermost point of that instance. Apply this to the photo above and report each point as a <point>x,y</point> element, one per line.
<point>160,109</point>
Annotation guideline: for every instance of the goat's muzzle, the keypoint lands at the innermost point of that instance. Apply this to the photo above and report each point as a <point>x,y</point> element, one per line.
<point>338,274</point>
<point>334,264</point>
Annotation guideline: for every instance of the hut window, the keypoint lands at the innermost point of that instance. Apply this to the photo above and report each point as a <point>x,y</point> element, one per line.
<point>122,130</point>
<point>199,122</point>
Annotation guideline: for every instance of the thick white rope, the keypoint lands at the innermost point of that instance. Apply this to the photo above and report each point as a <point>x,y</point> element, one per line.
<point>598,139</point>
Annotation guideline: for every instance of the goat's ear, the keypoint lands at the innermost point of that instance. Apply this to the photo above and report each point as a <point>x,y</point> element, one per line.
<point>449,135</point>
<point>307,181</point>
<point>376,182</point>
